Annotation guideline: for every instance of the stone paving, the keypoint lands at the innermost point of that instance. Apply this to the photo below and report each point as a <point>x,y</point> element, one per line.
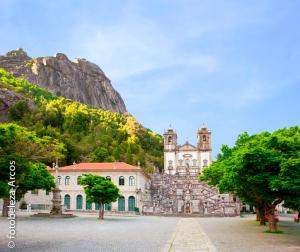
<point>149,233</point>
<point>188,236</point>
<point>86,233</point>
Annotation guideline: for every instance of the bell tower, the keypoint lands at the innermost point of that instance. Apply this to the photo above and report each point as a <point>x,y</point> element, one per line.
<point>203,139</point>
<point>170,140</point>
<point>204,147</point>
<point>170,144</point>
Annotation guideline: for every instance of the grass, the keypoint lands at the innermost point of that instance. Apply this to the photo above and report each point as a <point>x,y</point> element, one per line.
<point>273,232</point>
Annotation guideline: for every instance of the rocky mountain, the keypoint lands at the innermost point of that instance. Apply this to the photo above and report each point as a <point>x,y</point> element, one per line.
<point>79,79</point>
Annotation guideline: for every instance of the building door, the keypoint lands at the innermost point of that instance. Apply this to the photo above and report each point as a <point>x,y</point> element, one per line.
<point>88,205</point>
<point>67,201</point>
<point>97,206</point>
<point>121,204</point>
<point>79,202</point>
<point>107,207</point>
<point>131,203</point>
<point>188,209</point>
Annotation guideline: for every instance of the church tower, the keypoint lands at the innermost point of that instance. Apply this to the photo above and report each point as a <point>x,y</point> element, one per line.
<point>204,146</point>
<point>203,139</point>
<point>170,144</point>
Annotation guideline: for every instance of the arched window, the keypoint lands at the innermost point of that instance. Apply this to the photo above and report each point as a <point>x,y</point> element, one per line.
<point>88,205</point>
<point>204,138</point>
<point>79,202</point>
<point>121,180</point>
<point>131,180</point>
<point>121,204</point>
<point>78,180</point>
<point>67,180</point>
<point>67,201</point>
<point>169,139</point>
<point>58,179</point>
<point>131,203</point>
<point>108,178</point>
<point>107,207</point>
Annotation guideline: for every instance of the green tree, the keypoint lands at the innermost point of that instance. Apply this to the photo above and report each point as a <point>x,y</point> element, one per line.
<point>99,190</point>
<point>262,170</point>
<point>18,110</point>
<point>26,150</point>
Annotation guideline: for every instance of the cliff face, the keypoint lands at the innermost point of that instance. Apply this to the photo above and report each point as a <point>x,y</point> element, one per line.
<point>79,79</point>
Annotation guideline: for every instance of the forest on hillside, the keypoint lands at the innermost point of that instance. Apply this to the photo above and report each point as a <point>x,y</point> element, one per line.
<point>85,134</point>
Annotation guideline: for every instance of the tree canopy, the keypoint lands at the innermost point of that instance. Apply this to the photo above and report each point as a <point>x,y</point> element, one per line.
<point>262,170</point>
<point>27,151</point>
<point>99,190</point>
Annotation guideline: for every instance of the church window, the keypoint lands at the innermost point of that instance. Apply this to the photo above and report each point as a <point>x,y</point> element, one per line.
<point>131,181</point>
<point>204,138</point>
<point>169,139</point>
<point>121,180</point>
<point>205,163</point>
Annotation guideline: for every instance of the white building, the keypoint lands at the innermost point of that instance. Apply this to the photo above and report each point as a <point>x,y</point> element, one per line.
<point>187,158</point>
<point>130,180</point>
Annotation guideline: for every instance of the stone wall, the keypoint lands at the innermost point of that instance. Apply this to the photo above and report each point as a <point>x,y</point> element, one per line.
<point>185,195</point>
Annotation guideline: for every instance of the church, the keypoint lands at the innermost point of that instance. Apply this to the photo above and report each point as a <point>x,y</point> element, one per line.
<point>177,190</point>
<point>186,159</point>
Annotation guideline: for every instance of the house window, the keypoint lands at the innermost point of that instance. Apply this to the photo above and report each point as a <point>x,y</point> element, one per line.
<point>67,180</point>
<point>131,181</point>
<point>78,180</point>
<point>204,163</point>
<point>58,179</point>
<point>121,180</point>
<point>35,191</point>
<point>108,178</point>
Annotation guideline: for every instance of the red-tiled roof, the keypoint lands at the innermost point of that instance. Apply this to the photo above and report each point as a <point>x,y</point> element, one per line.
<point>94,167</point>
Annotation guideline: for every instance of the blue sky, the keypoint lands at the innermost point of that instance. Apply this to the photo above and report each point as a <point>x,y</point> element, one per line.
<point>233,65</point>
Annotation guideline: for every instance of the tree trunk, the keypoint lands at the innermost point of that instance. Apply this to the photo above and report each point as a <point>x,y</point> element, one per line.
<point>5,207</point>
<point>262,213</point>
<point>273,227</point>
<point>101,210</point>
<point>257,215</point>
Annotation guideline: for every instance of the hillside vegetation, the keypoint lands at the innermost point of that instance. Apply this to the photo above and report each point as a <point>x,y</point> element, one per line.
<point>87,134</point>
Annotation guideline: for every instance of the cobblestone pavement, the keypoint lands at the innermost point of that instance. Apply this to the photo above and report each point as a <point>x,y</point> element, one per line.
<point>144,233</point>
<point>188,236</point>
<point>246,235</point>
<point>86,233</point>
